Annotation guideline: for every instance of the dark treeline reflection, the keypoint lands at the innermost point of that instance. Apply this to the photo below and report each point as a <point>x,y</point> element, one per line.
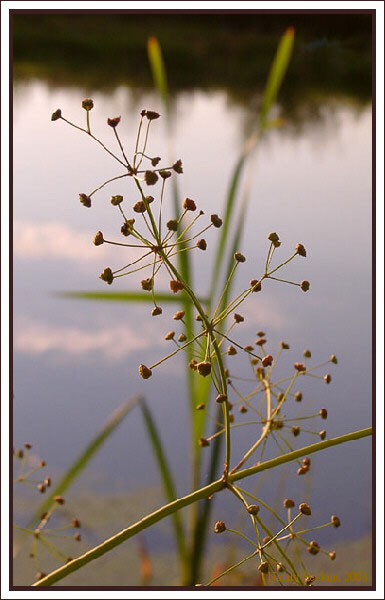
<point>332,56</point>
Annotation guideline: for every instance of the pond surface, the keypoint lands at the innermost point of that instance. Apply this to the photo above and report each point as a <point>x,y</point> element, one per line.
<point>76,361</point>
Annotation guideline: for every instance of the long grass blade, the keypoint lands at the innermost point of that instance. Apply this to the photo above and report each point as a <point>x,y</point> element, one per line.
<point>87,455</point>
<point>166,477</point>
<point>124,297</point>
<point>158,69</point>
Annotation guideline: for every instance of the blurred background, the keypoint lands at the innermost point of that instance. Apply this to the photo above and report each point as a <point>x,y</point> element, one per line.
<point>310,180</point>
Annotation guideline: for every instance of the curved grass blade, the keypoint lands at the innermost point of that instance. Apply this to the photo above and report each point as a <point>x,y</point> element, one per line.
<point>123,297</point>
<point>88,453</point>
<point>166,477</point>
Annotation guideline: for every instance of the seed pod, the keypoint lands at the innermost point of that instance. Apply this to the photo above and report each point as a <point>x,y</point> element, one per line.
<point>288,503</point>
<point>204,368</point>
<point>139,207</point>
<point>231,418</point>
<point>280,397</point>
<point>170,335</point>
<point>313,548</point>
<point>147,284</point>
<point>327,378</point>
<point>85,200</point>
<point>298,396</point>
<point>41,488</point>
<point>260,341</point>
<point>127,227</point>
<point>164,174</point>
<point>266,539</point>
<point>302,470</point>
<point>87,104</point>
<point>216,221</point>
<point>260,372</point>
<point>256,285</point>
<point>322,434</point>
<point>144,371</point>
<point>267,360</point>
<point>56,115</point>
<point>280,567</point>
<point>203,442</point>
<point>182,337</point>
<point>178,315</point>
<point>201,406</point>
<point>253,509</point>
<point>47,482</point>
<point>202,244</point>
<point>177,166</point>
<point>77,537</point>
<point>263,567</point>
<point>248,348</point>
<point>172,225</point>
<point>335,520</point>
<point>27,445</point>
<point>307,354</point>
<point>221,398</point>
<point>300,249</point>
<point>296,430</point>
<point>156,311</point>
<point>155,160</point>
<point>309,580</point>
<point>305,286</point>
<point>284,346</point>
<point>323,413</point>
<point>107,275</point>
<point>59,500</point>
<point>116,200</point>
<point>333,359</point>
<point>193,364</point>
<point>176,286</point>
<point>98,239</point>
<point>238,318</point>
<point>231,351</point>
<point>152,115</point>
<point>42,463</point>
<point>113,122</point>
<point>219,527</point>
<point>332,555</point>
<point>242,409</point>
<point>40,575</point>
<point>306,461</point>
<point>273,237</point>
<point>76,523</point>
<point>150,177</point>
<point>189,204</point>
<point>304,509</point>
<point>299,367</point>
<point>239,257</point>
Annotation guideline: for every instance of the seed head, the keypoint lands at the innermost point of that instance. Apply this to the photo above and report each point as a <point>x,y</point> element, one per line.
<point>260,342</point>
<point>47,482</point>
<point>300,250</point>
<point>267,360</point>
<point>116,200</point>
<point>98,239</point>
<point>263,567</point>
<point>176,286</point>
<point>77,537</point>
<point>42,463</point>
<point>261,333</point>
<point>306,461</point>
<point>156,311</point>
<point>113,122</point>
<point>333,359</point>
<point>164,174</point>
<point>273,237</point>
<point>87,104</point>
<point>260,372</point>
<point>299,367</point>
<point>280,567</point>
<point>307,354</point>
<point>127,227</point>
<point>305,286</point>
<point>150,177</point>
<point>139,207</point>
<point>284,346</point>
<point>304,509</point>
<point>309,580</point>
<point>238,318</point>
<point>302,470</point>
<point>219,527</point>
<point>327,378</point>
<point>203,442</point>
<point>177,166</point>
<point>147,284</point>
<point>248,348</point>
<point>189,204</point>
<point>256,285</point>
<point>202,244</point>
<point>156,160</point>
<point>85,200</point>
<point>41,488</point>
<point>59,500</point>
<point>288,503</point>
<point>107,275</point>
<point>27,445</point>
<point>332,555</point>
<point>313,548</point>
<point>296,430</point>
<point>179,315</point>
<point>239,257</point>
<point>221,398</point>
<point>323,413</point>
<point>242,409</point>
<point>151,115</point>
<point>231,351</point>
<point>40,575</point>
<point>145,372</point>
<point>322,434</point>
<point>76,524</point>
<point>216,221</point>
<point>56,115</point>
<point>253,509</point>
<point>335,520</point>
<point>298,396</point>
<point>204,368</point>
<point>170,335</point>
<point>193,364</point>
<point>172,225</point>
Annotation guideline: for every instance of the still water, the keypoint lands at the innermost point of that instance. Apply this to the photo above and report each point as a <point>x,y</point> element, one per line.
<point>76,361</point>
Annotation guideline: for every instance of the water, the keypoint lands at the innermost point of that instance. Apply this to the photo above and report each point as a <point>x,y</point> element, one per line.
<point>76,361</point>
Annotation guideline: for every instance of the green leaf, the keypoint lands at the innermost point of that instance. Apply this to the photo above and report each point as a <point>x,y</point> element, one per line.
<point>157,68</point>
<point>277,73</point>
<point>166,476</point>
<point>124,297</point>
<point>88,453</point>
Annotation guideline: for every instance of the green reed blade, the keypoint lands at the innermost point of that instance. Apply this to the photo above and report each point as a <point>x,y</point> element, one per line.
<point>125,297</point>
